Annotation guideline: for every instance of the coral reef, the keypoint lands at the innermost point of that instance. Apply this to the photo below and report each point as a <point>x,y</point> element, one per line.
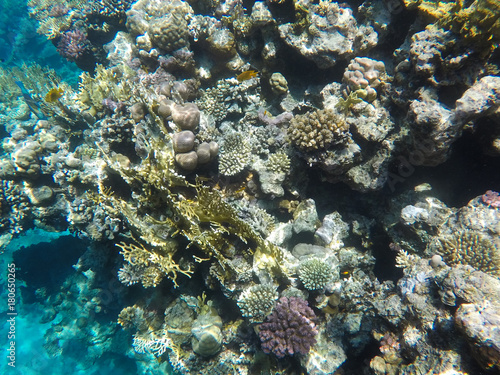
<point>246,180</point>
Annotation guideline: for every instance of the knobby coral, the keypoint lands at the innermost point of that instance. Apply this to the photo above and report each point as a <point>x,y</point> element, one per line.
<point>72,45</point>
<point>289,329</point>
<point>317,130</point>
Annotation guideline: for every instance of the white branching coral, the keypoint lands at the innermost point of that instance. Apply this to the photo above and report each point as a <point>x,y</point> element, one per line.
<point>257,302</point>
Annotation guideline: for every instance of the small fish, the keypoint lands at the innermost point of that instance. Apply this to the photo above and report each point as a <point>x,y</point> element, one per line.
<point>54,94</point>
<point>33,105</point>
<point>247,74</point>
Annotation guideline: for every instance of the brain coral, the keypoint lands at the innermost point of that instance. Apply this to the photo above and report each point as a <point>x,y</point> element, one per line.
<point>257,302</point>
<point>169,32</point>
<point>317,130</point>
<point>468,247</point>
<point>289,329</point>
<point>315,273</point>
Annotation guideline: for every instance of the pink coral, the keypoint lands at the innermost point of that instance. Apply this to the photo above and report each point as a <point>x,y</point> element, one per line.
<point>289,329</point>
<point>72,44</point>
<point>491,198</point>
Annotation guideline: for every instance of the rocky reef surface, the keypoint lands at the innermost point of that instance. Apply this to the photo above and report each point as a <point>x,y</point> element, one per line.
<point>200,160</point>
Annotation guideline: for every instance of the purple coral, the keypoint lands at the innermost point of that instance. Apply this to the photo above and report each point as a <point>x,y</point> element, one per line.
<point>491,198</point>
<point>72,44</point>
<point>289,329</point>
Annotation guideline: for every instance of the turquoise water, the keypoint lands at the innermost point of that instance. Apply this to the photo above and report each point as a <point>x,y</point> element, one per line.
<point>31,335</point>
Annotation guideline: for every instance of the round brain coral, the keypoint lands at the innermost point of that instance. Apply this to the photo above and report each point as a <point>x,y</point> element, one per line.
<point>317,130</point>
<point>289,329</point>
<point>315,273</point>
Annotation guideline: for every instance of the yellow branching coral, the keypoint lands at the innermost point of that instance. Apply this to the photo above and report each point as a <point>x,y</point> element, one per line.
<point>55,17</point>
<point>107,83</point>
<point>159,260</point>
<point>478,23</point>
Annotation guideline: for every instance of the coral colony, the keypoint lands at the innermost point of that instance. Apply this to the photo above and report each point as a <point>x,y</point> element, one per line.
<point>236,171</point>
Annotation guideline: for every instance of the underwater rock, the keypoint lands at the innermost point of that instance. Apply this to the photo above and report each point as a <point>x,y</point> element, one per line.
<point>305,217</point>
<point>138,112</point>
<point>207,335</point>
<point>331,232</point>
<point>483,97</point>
<point>41,195</point>
<point>325,357</point>
<point>327,33</point>
<point>480,323</point>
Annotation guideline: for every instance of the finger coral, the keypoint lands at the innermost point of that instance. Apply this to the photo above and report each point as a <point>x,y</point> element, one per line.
<point>290,329</point>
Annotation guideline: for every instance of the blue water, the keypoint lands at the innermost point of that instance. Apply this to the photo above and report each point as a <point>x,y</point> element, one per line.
<point>74,350</point>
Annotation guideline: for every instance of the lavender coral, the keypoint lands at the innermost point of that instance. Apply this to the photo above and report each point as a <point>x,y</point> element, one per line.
<point>72,45</point>
<point>289,329</point>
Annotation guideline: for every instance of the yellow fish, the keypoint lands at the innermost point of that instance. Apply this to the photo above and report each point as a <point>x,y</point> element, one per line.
<point>54,94</point>
<point>247,74</point>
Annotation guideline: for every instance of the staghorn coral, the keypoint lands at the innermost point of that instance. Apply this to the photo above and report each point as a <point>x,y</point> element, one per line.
<point>257,302</point>
<point>157,264</point>
<point>278,162</point>
<point>470,248</point>
<point>290,329</point>
<point>315,273</point>
<point>317,130</point>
